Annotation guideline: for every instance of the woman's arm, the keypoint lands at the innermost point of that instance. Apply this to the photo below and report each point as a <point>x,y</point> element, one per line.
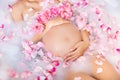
<point>85,41</point>
<point>37,37</point>
<point>17,10</point>
<point>85,36</point>
<point>22,7</point>
<point>82,46</point>
<point>79,49</point>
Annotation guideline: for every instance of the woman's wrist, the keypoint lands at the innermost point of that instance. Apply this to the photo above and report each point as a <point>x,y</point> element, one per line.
<point>84,46</point>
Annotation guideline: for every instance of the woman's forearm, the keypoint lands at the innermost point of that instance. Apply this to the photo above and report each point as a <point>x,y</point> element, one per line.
<point>85,36</point>
<point>36,38</point>
<point>84,44</point>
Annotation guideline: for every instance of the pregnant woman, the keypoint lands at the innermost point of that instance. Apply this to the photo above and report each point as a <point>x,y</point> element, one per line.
<point>63,39</point>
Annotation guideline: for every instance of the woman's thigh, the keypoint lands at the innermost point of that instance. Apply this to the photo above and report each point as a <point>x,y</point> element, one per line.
<point>70,75</point>
<point>102,69</point>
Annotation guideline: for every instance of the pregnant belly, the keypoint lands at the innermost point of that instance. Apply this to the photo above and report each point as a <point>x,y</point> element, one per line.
<point>61,38</point>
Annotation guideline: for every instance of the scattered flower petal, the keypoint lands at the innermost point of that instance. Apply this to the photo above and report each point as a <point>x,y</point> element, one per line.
<point>99,70</point>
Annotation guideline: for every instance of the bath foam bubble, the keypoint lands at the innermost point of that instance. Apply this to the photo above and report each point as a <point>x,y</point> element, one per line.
<point>113,3</point>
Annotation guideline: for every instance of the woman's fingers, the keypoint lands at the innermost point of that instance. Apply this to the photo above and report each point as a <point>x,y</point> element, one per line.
<point>71,52</point>
<point>72,56</point>
<point>75,52</point>
<point>68,57</point>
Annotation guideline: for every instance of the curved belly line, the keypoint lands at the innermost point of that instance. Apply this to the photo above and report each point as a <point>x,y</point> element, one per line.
<point>60,42</point>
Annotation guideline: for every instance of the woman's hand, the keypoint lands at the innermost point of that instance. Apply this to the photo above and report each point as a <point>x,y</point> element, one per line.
<point>77,51</point>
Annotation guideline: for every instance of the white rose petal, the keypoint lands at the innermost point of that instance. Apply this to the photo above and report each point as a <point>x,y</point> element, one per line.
<point>77,78</point>
<point>99,62</point>
<point>99,70</point>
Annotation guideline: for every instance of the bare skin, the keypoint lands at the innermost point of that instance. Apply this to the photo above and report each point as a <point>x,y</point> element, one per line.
<point>24,7</point>
<point>78,76</point>
<point>108,72</point>
<point>63,39</point>
<point>65,44</point>
<point>101,71</point>
<point>78,46</point>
